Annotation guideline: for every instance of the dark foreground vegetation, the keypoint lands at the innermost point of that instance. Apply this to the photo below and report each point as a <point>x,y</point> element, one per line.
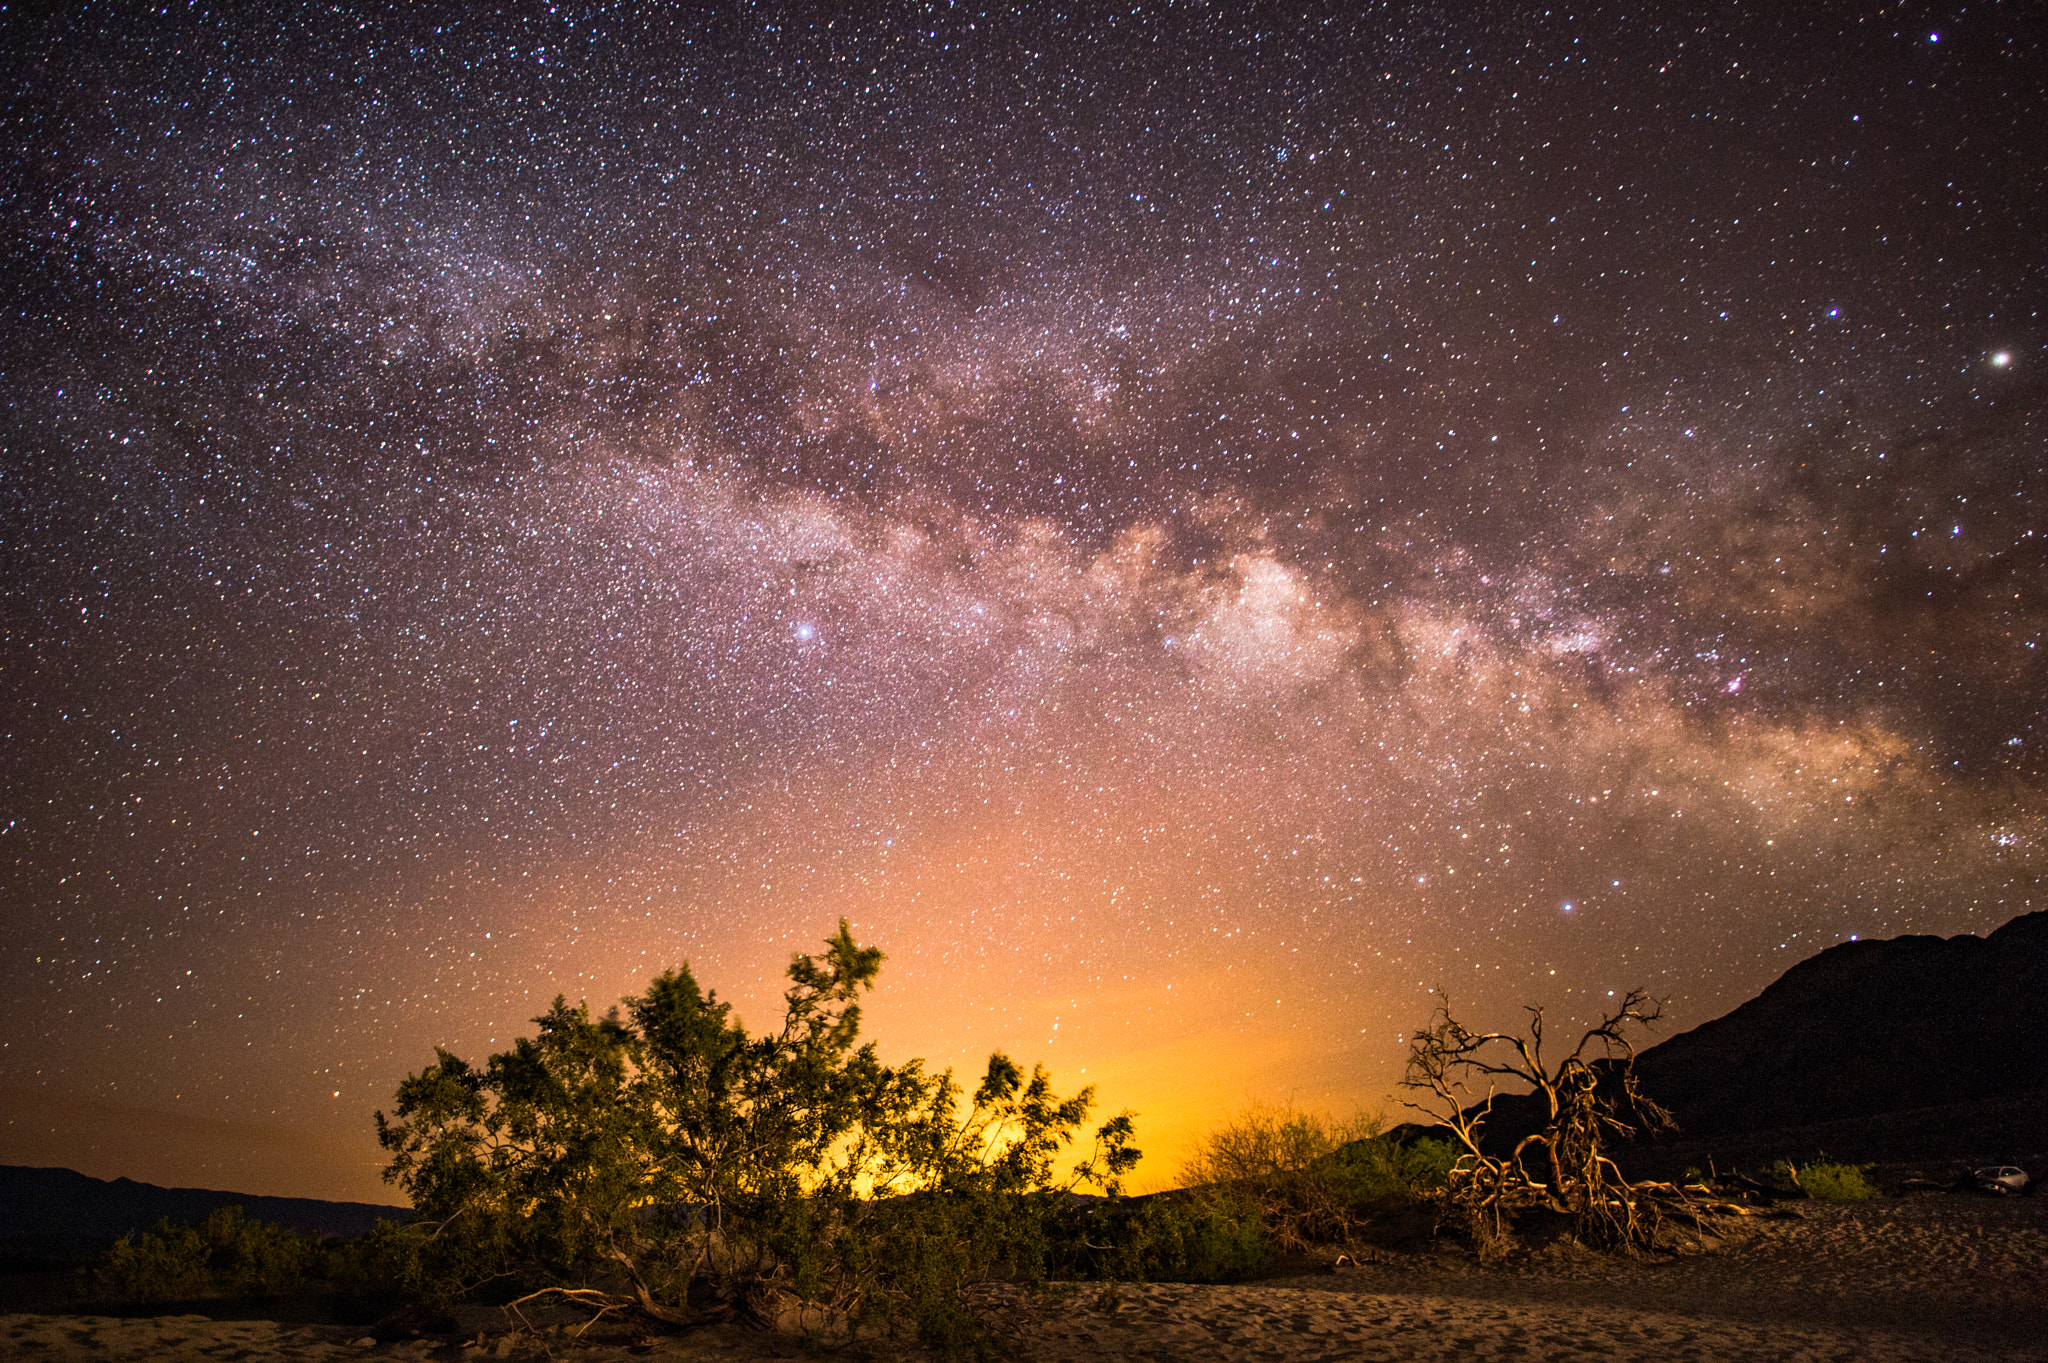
<point>1290,1193</point>
<point>1278,1188</point>
<point>658,1167</point>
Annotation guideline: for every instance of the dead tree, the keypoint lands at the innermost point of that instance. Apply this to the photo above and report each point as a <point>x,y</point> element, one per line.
<point>1591,1097</point>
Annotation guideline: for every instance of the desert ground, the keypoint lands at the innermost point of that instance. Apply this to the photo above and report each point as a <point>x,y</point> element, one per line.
<point>1929,1276</point>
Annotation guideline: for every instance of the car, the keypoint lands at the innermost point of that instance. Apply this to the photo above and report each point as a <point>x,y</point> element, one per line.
<point>2001,1179</point>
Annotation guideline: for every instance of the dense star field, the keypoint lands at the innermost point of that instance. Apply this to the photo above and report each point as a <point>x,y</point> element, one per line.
<point>1190,525</point>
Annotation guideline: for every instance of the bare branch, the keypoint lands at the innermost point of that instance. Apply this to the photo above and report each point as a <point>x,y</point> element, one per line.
<point>1592,1096</point>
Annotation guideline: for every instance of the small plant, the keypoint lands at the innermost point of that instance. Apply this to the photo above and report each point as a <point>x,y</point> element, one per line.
<point>1291,1166</point>
<point>1378,1167</point>
<point>1837,1182</point>
<point>380,1264</point>
<point>1210,1240</point>
<point>226,1255</point>
<point>1303,1179</point>
<point>1271,1180</point>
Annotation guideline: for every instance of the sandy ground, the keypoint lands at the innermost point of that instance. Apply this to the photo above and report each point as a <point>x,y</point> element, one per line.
<point>1929,1277</point>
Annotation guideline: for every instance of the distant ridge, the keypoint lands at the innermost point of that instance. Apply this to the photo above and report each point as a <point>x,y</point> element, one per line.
<point>1864,1029</point>
<point>60,1204</point>
<point>1906,1048</point>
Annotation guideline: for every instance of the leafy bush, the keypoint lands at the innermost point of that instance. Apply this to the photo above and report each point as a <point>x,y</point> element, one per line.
<point>1215,1239</point>
<point>1300,1178</point>
<point>383,1263</point>
<point>668,1162</point>
<point>1379,1166</point>
<point>1272,1179</point>
<point>226,1255</point>
<point>1182,1236</point>
<point>1837,1182</point>
<point>1286,1165</point>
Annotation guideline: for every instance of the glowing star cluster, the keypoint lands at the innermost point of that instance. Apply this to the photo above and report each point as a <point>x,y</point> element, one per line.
<point>1190,532</point>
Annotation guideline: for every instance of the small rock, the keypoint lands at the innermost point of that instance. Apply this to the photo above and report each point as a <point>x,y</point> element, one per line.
<point>366,1342</point>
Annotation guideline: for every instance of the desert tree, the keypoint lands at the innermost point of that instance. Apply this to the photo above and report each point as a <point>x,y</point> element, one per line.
<point>660,1160</point>
<point>1591,1097</point>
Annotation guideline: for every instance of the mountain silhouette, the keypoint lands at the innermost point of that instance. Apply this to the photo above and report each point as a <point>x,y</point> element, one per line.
<point>45,1204</point>
<point>1907,1048</point>
<point>1864,1029</point>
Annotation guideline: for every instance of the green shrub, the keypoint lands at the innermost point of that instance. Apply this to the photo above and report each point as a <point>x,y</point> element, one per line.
<point>1837,1182</point>
<point>1286,1164</point>
<point>167,1264</point>
<point>1215,1240</point>
<point>1821,1179</point>
<point>382,1263</point>
<point>1176,1237</point>
<point>226,1255</point>
<point>1307,1179</point>
<point>1429,1164</point>
<point>1378,1167</point>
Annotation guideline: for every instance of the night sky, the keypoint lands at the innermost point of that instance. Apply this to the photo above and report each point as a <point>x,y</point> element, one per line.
<point>1190,525</point>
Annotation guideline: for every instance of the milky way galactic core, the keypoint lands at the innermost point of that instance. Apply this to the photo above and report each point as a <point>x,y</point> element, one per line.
<point>1191,526</point>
